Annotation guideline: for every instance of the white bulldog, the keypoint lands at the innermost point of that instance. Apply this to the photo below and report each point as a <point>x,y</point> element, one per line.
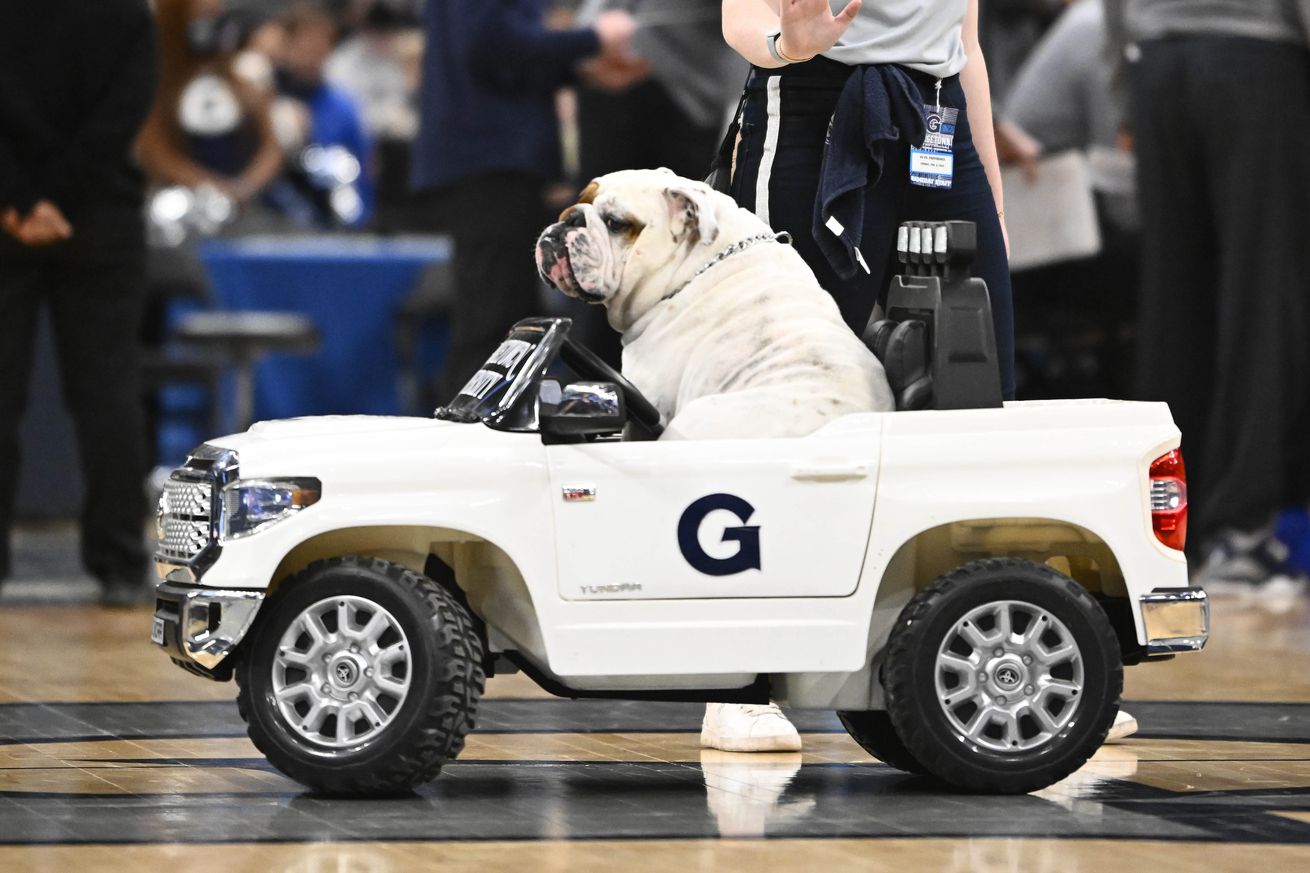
<point>725,329</point>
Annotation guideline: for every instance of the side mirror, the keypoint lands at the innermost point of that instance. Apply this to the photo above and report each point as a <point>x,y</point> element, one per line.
<point>580,409</point>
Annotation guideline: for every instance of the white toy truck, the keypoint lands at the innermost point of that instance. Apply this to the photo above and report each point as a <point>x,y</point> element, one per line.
<point>963,586</point>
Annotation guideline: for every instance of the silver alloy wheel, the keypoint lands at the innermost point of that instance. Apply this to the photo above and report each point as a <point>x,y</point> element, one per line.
<point>341,672</point>
<point>1009,676</point>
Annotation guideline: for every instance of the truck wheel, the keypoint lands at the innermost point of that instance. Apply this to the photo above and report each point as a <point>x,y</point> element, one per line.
<point>361,677</point>
<point>876,734</point>
<point>1003,676</point>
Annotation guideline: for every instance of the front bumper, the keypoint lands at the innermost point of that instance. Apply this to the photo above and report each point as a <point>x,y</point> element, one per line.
<point>200,627</point>
<point>1176,620</point>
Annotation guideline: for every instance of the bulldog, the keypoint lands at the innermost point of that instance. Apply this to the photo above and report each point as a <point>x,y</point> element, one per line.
<point>725,329</point>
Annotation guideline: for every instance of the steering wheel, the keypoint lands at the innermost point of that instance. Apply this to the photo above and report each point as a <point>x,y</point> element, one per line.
<point>589,365</point>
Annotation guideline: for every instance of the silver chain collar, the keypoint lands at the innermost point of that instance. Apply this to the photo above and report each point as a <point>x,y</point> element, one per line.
<point>739,246</point>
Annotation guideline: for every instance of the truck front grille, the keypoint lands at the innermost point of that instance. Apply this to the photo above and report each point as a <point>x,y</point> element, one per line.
<point>186,518</point>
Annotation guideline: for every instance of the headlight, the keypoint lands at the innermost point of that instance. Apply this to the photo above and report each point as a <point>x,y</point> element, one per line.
<point>251,505</point>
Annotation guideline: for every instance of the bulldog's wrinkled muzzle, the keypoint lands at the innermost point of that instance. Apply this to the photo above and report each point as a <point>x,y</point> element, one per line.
<point>553,260</point>
<point>553,263</point>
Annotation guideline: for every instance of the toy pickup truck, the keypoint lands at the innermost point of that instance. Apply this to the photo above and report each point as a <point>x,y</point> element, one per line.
<point>963,586</point>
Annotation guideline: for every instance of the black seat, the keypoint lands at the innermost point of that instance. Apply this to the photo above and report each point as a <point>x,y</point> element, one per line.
<point>243,338</point>
<point>903,350</point>
<point>936,341</point>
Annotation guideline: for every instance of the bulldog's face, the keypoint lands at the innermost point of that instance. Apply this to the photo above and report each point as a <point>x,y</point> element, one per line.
<point>630,238</point>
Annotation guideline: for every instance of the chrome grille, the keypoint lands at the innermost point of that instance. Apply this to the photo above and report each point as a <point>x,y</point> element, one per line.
<point>182,497</point>
<point>185,510</point>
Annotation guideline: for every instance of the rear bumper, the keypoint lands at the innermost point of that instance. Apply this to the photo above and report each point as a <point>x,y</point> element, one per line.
<point>200,627</point>
<point>1176,620</point>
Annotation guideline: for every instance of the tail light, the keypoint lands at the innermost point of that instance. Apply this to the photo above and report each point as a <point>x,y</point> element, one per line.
<point>1169,499</point>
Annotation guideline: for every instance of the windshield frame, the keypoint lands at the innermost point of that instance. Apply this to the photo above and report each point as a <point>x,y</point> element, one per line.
<point>516,409</point>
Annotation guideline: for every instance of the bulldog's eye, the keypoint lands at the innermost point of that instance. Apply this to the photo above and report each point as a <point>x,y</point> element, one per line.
<point>617,225</point>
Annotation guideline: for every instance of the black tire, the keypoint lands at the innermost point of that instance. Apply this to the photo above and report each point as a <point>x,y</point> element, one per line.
<point>876,734</point>
<point>938,615</point>
<point>424,731</point>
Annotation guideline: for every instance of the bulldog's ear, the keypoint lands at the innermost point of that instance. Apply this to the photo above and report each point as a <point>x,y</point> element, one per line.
<point>691,214</point>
